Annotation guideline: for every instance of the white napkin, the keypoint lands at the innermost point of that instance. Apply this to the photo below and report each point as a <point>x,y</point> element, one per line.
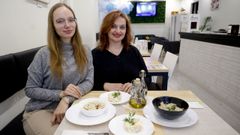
<point>74,132</point>
<point>195,105</point>
<point>79,132</point>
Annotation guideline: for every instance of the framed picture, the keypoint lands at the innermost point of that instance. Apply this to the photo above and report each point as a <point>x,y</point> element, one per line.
<point>215,4</point>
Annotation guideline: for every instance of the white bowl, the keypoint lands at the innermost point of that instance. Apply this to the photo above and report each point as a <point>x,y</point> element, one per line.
<point>93,107</point>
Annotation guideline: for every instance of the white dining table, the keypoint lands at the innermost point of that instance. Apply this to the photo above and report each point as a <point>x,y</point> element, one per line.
<point>155,68</point>
<point>208,123</point>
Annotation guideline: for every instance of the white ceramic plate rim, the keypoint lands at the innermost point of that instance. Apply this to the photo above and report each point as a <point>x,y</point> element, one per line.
<point>75,116</point>
<point>125,97</point>
<point>188,119</point>
<point>116,126</point>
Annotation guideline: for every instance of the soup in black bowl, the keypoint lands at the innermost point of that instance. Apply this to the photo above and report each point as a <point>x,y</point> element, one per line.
<point>170,107</point>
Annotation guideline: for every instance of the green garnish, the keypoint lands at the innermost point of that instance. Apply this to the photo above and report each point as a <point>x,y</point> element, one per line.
<point>116,94</point>
<point>130,119</point>
<point>171,107</point>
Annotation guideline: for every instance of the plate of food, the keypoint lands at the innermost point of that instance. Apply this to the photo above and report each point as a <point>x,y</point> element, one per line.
<point>90,111</point>
<point>115,97</point>
<point>131,124</point>
<point>189,118</point>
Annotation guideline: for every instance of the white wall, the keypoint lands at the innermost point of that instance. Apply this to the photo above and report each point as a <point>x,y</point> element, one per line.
<point>24,25</point>
<point>226,14</point>
<point>159,29</point>
<point>87,18</point>
<point>216,70</point>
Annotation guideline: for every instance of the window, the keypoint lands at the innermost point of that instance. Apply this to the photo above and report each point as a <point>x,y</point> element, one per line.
<point>195,7</point>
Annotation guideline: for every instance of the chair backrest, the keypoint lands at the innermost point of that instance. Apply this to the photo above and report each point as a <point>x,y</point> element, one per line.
<point>156,51</point>
<point>142,45</point>
<point>170,62</point>
<point>136,40</point>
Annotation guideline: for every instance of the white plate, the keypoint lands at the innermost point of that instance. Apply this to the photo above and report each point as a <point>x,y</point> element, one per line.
<point>117,128</point>
<point>124,97</point>
<point>188,119</point>
<point>75,116</point>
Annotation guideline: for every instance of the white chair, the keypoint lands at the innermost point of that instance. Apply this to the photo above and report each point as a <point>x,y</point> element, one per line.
<point>142,45</point>
<point>155,54</point>
<point>170,62</point>
<point>136,40</point>
<point>156,51</point>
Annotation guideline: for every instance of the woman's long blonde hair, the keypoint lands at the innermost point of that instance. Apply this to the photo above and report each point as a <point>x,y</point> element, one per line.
<point>55,45</point>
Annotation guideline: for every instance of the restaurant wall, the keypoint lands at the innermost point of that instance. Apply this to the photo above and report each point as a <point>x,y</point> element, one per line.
<point>87,18</point>
<point>24,24</point>
<point>223,16</point>
<point>159,29</point>
<point>214,70</point>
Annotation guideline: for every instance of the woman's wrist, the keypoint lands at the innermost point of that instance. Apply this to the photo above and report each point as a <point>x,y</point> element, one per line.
<point>61,95</point>
<point>66,100</point>
<point>104,86</point>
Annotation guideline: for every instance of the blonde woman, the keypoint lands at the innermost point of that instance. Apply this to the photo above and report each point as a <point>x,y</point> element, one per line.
<point>59,74</point>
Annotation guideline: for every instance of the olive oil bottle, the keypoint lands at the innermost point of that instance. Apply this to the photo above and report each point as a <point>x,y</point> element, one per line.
<point>137,99</point>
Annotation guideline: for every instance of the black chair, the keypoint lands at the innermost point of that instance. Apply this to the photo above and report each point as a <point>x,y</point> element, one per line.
<point>146,37</point>
<point>14,74</point>
<point>97,36</point>
<point>172,46</point>
<point>15,127</point>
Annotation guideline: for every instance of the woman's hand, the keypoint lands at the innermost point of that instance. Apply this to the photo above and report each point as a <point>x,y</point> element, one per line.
<point>71,90</point>
<point>127,87</point>
<point>112,86</point>
<point>59,112</point>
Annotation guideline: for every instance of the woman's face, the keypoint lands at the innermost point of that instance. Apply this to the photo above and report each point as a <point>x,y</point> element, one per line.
<point>64,23</point>
<point>118,30</point>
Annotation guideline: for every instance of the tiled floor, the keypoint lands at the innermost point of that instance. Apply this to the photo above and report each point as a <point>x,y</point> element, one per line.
<point>182,82</point>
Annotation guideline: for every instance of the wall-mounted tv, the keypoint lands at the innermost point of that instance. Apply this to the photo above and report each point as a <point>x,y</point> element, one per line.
<point>146,8</point>
<point>151,11</point>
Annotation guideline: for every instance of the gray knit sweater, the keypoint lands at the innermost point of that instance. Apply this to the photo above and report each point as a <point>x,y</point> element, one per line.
<point>43,89</point>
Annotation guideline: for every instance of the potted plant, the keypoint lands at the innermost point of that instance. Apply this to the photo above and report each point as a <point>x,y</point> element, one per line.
<point>206,25</point>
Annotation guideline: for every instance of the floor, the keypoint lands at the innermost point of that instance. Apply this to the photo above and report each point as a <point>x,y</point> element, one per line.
<point>182,82</point>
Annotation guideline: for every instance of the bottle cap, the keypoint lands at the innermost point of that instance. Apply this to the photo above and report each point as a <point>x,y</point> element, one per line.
<point>142,73</point>
<point>137,81</point>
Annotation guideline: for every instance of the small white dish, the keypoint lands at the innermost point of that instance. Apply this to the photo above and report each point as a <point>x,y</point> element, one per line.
<point>75,116</point>
<point>188,119</point>
<point>116,125</point>
<point>90,105</point>
<point>124,97</point>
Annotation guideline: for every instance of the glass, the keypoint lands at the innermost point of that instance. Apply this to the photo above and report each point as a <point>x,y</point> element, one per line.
<point>137,99</point>
<point>142,75</point>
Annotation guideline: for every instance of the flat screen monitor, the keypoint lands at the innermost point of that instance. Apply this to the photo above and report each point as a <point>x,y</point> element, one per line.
<point>146,9</point>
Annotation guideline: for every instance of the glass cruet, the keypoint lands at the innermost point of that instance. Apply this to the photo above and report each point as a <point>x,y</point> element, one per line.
<point>137,99</point>
<point>142,75</point>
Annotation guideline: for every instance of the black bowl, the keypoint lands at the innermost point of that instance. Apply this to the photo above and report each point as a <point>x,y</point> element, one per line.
<point>170,115</point>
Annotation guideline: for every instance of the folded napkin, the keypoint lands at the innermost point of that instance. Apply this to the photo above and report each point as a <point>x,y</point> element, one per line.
<point>74,132</point>
<point>79,132</point>
<point>195,105</point>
